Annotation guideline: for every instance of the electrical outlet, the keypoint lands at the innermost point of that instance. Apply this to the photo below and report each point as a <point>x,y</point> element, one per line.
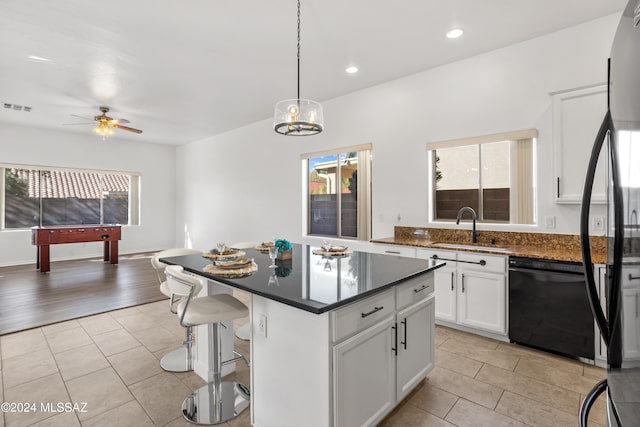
<point>262,325</point>
<point>598,223</point>
<point>550,221</point>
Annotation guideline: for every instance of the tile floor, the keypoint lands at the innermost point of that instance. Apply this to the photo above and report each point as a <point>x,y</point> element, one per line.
<point>111,362</point>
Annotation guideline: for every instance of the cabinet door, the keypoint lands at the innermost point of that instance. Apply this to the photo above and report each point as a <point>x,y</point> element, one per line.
<point>631,322</point>
<point>415,345</point>
<point>364,376</point>
<point>445,290</point>
<point>577,115</point>
<point>481,300</point>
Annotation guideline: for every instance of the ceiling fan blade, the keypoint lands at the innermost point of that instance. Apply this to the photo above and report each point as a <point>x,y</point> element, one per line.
<point>119,121</point>
<point>117,126</point>
<point>80,117</point>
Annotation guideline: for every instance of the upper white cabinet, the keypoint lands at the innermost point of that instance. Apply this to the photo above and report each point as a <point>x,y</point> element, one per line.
<point>577,115</point>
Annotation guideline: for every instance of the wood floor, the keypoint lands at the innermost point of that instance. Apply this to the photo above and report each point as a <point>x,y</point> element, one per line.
<point>73,289</point>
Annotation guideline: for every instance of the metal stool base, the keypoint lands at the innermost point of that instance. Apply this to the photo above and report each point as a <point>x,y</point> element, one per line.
<point>177,361</point>
<point>205,406</point>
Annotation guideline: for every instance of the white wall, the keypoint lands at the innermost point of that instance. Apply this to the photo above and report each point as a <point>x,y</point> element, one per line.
<point>155,162</point>
<point>246,184</point>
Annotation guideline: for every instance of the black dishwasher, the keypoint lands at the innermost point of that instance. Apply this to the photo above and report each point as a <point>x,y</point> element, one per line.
<point>549,307</point>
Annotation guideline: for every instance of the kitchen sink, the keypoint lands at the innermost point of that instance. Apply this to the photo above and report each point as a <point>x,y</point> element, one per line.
<point>470,247</point>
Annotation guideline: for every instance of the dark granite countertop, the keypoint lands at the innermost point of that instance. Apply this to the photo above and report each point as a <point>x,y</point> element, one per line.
<point>315,283</point>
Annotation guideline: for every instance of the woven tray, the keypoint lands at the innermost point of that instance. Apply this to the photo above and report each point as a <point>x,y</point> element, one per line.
<point>331,253</point>
<point>235,272</point>
<point>215,255</point>
<point>262,247</point>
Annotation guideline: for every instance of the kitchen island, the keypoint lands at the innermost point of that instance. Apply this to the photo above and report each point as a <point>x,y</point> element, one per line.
<point>335,341</point>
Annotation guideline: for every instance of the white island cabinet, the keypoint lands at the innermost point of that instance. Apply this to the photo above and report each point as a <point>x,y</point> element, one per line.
<point>336,340</point>
<point>347,367</point>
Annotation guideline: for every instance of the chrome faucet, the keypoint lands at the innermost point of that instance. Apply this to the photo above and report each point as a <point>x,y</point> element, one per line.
<point>474,233</point>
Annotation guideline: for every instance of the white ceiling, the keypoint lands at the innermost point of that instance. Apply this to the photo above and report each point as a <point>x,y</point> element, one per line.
<point>183,70</point>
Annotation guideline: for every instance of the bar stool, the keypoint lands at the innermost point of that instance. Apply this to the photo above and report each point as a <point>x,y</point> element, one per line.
<point>218,401</point>
<point>180,359</point>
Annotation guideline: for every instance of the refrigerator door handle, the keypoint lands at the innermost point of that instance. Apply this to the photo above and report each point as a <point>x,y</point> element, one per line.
<point>592,291</point>
<point>614,294</point>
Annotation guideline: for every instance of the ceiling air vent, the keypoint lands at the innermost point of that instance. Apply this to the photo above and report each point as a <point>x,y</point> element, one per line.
<point>16,107</point>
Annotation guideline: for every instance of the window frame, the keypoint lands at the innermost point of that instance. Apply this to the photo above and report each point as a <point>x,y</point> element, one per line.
<point>365,161</point>
<point>432,147</point>
<point>133,191</point>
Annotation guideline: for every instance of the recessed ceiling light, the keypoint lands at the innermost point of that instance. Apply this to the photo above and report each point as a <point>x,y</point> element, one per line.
<point>352,69</point>
<point>38,58</point>
<point>455,33</point>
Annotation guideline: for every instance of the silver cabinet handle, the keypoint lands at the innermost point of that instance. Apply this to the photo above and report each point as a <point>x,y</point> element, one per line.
<point>392,252</point>
<point>462,282</point>
<point>633,277</point>
<point>375,309</point>
<point>452,278</point>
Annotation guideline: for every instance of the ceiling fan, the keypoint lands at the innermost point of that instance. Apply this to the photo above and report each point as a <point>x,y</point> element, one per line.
<point>106,124</point>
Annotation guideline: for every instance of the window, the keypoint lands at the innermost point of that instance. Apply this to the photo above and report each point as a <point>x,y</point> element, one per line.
<point>494,174</point>
<point>36,196</point>
<point>338,188</point>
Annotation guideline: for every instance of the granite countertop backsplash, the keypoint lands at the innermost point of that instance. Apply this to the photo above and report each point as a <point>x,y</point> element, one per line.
<point>560,247</point>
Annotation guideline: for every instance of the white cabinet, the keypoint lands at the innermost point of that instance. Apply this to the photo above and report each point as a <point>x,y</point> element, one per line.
<point>375,368</point>
<point>470,290</point>
<point>481,300</point>
<point>631,323</point>
<point>416,346</point>
<point>364,377</point>
<point>577,115</point>
<point>406,251</point>
<point>445,290</point>
<point>631,311</point>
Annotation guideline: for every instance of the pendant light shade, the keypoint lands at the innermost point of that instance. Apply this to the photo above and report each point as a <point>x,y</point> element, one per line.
<point>298,117</point>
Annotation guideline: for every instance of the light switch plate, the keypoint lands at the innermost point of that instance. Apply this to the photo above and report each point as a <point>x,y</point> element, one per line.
<point>598,223</point>
<point>550,221</point>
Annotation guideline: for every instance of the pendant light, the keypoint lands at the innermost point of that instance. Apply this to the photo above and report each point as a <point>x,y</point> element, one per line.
<point>298,117</point>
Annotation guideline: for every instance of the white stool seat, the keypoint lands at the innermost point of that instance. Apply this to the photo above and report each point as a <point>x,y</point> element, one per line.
<point>164,288</point>
<point>181,359</point>
<point>218,401</point>
<point>211,309</point>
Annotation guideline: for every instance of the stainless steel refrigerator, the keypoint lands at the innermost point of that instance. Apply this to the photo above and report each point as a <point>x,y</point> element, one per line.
<point>619,138</point>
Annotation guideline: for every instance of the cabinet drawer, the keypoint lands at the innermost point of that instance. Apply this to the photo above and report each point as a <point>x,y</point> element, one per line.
<point>362,314</point>
<point>394,250</point>
<point>630,275</point>
<point>482,262</point>
<point>414,290</point>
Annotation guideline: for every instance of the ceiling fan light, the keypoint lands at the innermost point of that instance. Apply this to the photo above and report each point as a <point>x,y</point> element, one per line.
<point>298,117</point>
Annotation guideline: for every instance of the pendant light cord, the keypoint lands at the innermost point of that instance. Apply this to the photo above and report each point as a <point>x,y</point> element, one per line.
<point>298,50</point>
